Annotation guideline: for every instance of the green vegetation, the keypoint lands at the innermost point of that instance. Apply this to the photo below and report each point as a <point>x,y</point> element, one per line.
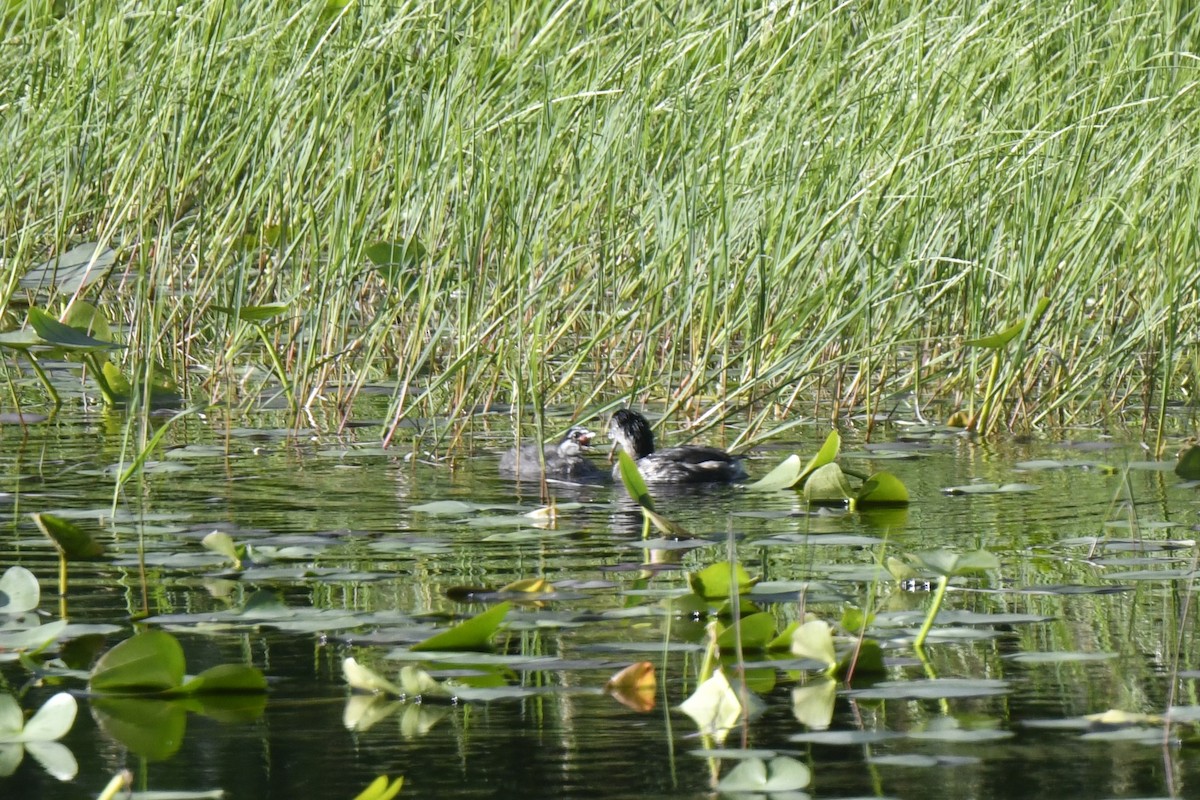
<point>758,206</point>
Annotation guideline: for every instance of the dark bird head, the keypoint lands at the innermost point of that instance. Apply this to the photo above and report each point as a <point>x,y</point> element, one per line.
<point>631,431</point>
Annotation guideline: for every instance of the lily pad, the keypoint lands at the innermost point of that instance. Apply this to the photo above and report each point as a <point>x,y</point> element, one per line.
<point>19,591</point>
<point>472,634</point>
<point>780,774</point>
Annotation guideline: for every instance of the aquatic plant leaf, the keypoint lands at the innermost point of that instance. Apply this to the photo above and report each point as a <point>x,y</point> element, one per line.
<point>54,757</point>
<point>416,682</point>
<point>398,262</point>
<point>855,620</point>
<point>381,789</point>
<point>991,488</point>
<point>882,489</point>
<point>714,706</point>
<point>997,340</point>
<point>226,679</point>
<point>783,639</point>
<point>64,336</point>
<point>71,541</point>
<point>812,704</point>
<point>32,638</point>
<point>78,268</point>
<point>472,634</point>
<point>950,564</point>
<point>151,661</point>
<point>781,774</point>
<point>827,485</point>
<point>664,525</point>
<point>864,659</point>
<point>783,476</point>
<point>756,631</point>
<point>12,720</point>
<point>152,728</point>
<point>1188,464</point>
<point>826,455</point>
<point>19,591</point>
<point>11,756</point>
<point>445,507</point>
<point>222,543</point>
<point>529,586</point>
<point>86,317</point>
<point>52,721</point>
<point>254,314</point>
<point>852,738</point>
<point>639,676</point>
<point>21,339</point>
<point>366,679</point>
<point>714,581</point>
<point>634,484</point>
<point>814,639</point>
<point>932,689</point>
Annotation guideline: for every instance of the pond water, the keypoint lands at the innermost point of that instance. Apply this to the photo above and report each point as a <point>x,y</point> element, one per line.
<point>1092,610</point>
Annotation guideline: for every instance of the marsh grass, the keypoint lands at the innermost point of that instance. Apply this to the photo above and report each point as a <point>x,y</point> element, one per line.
<point>764,208</point>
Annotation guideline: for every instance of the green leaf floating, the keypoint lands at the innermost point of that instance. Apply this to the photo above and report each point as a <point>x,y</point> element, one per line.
<point>634,484</point>
<point>1188,465</point>
<point>71,541</point>
<point>950,564</point>
<point>755,776</point>
<point>814,639</point>
<point>826,455</point>
<point>827,485</point>
<point>64,336</point>
<point>472,634</point>
<point>148,662</point>
<point>713,582</point>
<point>152,663</point>
<point>882,489</point>
<point>783,476</point>
<point>757,631</point>
<point>398,262</point>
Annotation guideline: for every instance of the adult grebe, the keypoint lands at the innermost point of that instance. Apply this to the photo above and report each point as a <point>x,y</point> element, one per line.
<point>684,464</point>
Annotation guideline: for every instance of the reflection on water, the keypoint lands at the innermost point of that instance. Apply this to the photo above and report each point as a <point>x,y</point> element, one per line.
<point>340,526</point>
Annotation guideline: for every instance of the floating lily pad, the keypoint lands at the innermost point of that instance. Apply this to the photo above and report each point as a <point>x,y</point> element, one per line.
<point>780,774</point>
<point>991,488</point>
<point>19,591</point>
<point>932,689</point>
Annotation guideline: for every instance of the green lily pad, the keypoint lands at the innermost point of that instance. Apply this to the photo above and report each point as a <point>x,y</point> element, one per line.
<point>714,581</point>
<point>78,268</point>
<point>71,541</point>
<point>783,476</point>
<point>19,591</point>
<point>827,485</point>
<point>61,335</point>
<point>151,661</point>
<point>882,489</point>
<point>756,632</point>
<point>781,774</point>
<point>472,634</point>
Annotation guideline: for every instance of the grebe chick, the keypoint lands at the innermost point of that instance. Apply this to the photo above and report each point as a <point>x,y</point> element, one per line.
<point>564,461</point>
<point>684,464</point>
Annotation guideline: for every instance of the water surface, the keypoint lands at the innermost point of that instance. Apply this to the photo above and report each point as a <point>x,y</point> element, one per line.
<point>1092,626</point>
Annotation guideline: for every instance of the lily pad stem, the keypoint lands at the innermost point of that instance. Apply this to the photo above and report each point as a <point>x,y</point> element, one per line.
<point>943,582</point>
<point>46,384</point>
